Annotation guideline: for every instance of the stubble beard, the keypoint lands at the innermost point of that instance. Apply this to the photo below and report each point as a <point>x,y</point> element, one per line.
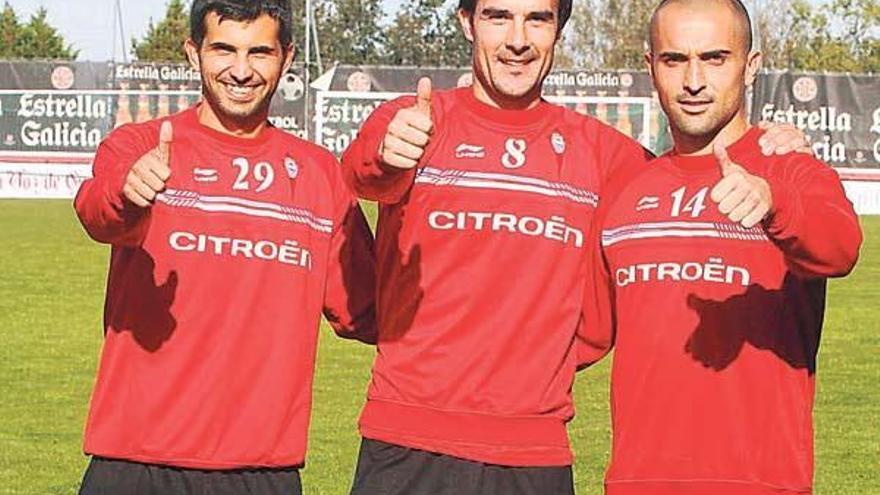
<point>698,127</point>
<point>508,88</point>
<point>238,112</point>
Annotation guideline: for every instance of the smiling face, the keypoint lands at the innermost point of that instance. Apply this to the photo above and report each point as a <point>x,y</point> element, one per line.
<point>240,64</point>
<point>701,67</point>
<point>513,43</point>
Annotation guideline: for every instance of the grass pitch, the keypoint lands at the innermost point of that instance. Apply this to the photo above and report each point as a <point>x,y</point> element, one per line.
<point>51,296</point>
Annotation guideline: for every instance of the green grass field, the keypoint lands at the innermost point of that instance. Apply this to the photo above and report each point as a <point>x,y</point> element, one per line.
<point>51,294</point>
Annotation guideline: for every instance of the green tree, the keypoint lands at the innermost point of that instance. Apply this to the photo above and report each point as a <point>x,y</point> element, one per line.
<point>298,28</point>
<point>870,54</point>
<point>164,41</point>
<point>812,46</point>
<point>808,43</point>
<point>787,32</point>
<point>624,26</point>
<point>609,34</point>
<point>773,31</point>
<point>860,30</point>
<point>39,39</point>
<point>10,31</point>
<point>349,31</point>
<point>580,46</point>
<point>837,37</point>
<point>424,33</point>
<point>457,48</point>
<point>35,40</point>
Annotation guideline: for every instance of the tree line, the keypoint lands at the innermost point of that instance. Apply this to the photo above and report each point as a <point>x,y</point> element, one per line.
<point>34,39</point>
<point>798,35</point>
<point>837,35</point>
<point>420,32</point>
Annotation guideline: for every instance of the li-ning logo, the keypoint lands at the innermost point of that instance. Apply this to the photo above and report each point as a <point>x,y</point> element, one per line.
<point>514,153</point>
<point>470,151</point>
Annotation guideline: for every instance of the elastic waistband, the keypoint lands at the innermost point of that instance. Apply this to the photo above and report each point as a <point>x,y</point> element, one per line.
<point>698,487</point>
<point>503,440</point>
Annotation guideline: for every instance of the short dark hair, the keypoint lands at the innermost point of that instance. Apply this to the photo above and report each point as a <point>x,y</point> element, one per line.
<point>239,11</point>
<point>742,14</point>
<point>564,13</point>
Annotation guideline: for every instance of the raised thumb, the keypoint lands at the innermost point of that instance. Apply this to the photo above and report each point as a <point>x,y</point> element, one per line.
<point>724,162</point>
<point>423,96</point>
<point>166,136</point>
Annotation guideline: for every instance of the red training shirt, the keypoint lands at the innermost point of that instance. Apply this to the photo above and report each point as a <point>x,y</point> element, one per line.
<point>716,327</point>
<point>481,262</point>
<point>215,293</point>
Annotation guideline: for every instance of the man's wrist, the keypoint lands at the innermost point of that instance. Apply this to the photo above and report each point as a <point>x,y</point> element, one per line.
<point>783,198</point>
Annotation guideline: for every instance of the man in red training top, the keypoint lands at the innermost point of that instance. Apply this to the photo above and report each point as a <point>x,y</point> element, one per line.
<point>486,197</point>
<point>228,239</point>
<point>712,276</point>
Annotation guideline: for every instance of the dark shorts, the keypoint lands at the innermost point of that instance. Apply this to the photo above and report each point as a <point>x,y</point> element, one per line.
<point>116,477</point>
<point>385,469</point>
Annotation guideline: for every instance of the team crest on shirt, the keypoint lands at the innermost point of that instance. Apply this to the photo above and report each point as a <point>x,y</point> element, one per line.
<point>292,167</point>
<point>558,142</point>
<point>205,175</point>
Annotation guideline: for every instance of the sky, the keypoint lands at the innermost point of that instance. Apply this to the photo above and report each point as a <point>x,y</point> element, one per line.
<point>89,24</point>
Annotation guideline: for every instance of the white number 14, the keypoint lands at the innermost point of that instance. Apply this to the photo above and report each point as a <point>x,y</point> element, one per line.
<point>694,206</point>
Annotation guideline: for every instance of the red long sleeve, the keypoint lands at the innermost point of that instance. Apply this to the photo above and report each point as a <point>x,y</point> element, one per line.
<point>813,222</point>
<point>481,268</point>
<point>349,298</point>
<point>364,170</point>
<point>622,159</point>
<point>715,327</point>
<point>595,335</point>
<point>212,316</point>
<point>619,155</point>
<point>99,204</point>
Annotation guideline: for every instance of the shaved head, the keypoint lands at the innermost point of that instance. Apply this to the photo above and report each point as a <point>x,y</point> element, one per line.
<point>702,62</point>
<point>741,14</point>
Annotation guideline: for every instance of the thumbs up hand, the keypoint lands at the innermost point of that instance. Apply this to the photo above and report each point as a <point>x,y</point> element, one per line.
<point>743,197</point>
<point>149,174</point>
<point>409,131</point>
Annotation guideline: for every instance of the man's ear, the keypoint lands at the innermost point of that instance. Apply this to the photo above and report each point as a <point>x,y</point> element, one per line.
<point>466,19</point>
<point>192,53</point>
<point>289,56</point>
<point>753,66</point>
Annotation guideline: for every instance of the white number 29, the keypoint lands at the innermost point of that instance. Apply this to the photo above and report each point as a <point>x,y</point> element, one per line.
<point>263,173</point>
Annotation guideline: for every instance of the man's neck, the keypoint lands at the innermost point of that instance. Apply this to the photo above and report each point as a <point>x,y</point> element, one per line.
<point>247,128</point>
<point>689,145</point>
<point>526,102</point>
